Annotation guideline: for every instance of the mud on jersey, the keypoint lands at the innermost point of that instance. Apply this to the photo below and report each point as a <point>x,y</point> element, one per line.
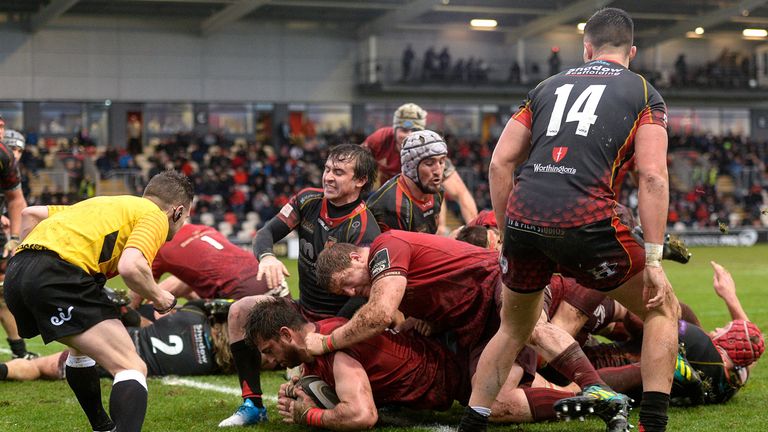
<point>583,123</point>
<point>307,212</point>
<point>394,208</point>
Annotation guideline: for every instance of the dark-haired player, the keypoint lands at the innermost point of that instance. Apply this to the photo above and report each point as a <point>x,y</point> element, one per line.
<point>411,200</point>
<point>385,145</point>
<point>552,186</point>
<point>321,217</point>
<point>55,287</point>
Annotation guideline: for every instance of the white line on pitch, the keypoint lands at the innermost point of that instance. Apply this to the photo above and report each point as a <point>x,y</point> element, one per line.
<point>186,382</point>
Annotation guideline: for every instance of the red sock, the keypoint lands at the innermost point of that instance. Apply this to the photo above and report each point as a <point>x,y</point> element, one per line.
<point>574,365</point>
<point>541,400</point>
<point>623,379</point>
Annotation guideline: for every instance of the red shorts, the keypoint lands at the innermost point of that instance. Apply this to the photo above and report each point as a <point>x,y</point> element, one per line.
<point>602,255</point>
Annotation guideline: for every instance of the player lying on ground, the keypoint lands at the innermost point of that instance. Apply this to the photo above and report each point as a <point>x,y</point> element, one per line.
<point>389,369</point>
<point>189,341</point>
<point>718,362</point>
<point>454,287</point>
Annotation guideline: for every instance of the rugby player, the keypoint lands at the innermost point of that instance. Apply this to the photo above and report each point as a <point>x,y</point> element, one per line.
<point>11,148</point>
<point>552,179</point>
<point>55,287</point>
<point>450,284</point>
<point>402,369</point>
<point>385,145</point>
<point>191,340</point>
<point>203,263</point>
<point>411,200</point>
<point>322,217</point>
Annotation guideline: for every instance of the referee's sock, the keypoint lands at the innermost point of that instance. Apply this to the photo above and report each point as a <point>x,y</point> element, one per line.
<point>248,364</point>
<point>128,401</point>
<point>83,379</point>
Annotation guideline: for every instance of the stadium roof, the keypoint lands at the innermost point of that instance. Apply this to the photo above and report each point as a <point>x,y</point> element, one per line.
<point>655,20</point>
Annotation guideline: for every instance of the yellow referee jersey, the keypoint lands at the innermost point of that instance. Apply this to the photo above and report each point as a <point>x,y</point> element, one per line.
<point>92,234</point>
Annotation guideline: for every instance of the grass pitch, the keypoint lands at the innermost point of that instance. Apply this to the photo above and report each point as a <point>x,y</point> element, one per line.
<point>175,406</point>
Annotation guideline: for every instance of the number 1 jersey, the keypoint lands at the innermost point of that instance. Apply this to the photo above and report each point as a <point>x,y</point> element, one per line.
<point>583,123</point>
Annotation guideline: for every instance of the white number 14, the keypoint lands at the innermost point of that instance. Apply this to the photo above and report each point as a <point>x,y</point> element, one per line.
<point>582,110</point>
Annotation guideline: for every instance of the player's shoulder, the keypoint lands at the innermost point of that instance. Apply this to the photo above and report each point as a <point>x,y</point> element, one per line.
<point>308,195</point>
<point>388,188</point>
<point>379,137</point>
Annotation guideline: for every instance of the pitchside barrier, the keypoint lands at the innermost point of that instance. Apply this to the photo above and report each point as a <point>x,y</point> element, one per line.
<point>735,237</point>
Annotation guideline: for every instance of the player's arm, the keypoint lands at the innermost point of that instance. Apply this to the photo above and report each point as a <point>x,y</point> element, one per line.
<point>455,188</point>
<point>177,287</point>
<point>30,217</point>
<point>371,319</point>
<point>442,220</point>
<point>16,204</point>
<point>510,152</point>
<point>356,409</point>
<point>725,288</point>
<point>653,203</point>
<point>275,230</point>
<point>137,274</point>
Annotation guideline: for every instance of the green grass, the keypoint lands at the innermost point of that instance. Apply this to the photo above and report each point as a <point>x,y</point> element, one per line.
<point>50,406</point>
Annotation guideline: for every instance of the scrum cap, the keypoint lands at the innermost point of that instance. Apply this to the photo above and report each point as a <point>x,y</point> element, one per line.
<point>743,342</point>
<point>410,116</point>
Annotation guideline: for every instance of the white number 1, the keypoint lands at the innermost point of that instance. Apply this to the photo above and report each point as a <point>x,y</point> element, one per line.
<point>212,242</point>
<point>582,110</point>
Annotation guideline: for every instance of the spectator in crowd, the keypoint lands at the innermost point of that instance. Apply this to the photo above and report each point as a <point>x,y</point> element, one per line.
<point>407,62</point>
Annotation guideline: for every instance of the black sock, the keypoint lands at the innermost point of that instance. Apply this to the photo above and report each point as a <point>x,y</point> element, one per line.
<point>248,364</point>
<point>3,371</point>
<point>128,404</point>
<point>18,347</point>
<point>84,382</point>
<point>653,412</point>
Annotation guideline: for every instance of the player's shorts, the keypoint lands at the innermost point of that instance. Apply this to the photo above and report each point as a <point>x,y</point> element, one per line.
<point>602,255</point>
<point>53,298</point>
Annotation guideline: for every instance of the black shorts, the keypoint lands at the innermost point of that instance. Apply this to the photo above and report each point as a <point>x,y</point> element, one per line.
<point>53,298</point>
<point>602,255</point>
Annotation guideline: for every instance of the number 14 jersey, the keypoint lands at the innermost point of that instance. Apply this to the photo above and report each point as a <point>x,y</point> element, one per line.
<point>583,123</point>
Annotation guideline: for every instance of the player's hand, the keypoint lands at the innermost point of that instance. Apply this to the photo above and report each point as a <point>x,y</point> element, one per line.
<point>10,248</point>
<point>723,282</point>
<point>273,270</point>
<point>287,389</point>
<point>656,287</point>
<point>164,301</point>
<point>314,342</point>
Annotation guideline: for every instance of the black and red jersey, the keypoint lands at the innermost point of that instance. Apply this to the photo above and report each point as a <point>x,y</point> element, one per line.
<point>308,213</point>
<point>10,176</point>
<point>394,207</point>
<point>583,123</point>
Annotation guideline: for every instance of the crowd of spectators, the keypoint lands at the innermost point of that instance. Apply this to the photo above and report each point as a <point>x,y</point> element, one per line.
<point>713,180</point>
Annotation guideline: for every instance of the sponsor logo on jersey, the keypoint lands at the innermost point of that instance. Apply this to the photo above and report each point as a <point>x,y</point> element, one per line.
<point>604,270</point>
<point>379,262</point>
<point>307,226</point>
<point>554,169</point>
<point>558,153</point>
<point>286,210</point>
<point>595,69</point>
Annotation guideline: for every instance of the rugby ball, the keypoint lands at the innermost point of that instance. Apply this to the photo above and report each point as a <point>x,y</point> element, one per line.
<point>321,393</point>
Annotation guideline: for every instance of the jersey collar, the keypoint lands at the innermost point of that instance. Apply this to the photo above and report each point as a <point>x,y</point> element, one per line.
<point>334,222</point>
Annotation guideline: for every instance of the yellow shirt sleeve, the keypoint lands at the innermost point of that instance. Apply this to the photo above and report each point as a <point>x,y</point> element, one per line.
<point>149,234</point>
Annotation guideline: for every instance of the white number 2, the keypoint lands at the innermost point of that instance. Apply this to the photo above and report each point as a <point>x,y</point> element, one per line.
<point>174,346</point>
<point>212,242</point>
<point>582,110</point>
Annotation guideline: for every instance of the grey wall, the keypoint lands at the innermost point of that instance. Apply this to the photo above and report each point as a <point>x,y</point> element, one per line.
<point>119,59</point>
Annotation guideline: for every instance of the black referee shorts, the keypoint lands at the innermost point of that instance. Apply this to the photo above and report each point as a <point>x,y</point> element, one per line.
<point>53,298</point>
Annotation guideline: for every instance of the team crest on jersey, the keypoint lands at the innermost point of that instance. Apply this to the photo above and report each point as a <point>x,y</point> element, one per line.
<point>379,262</point>
<point>558,153</point>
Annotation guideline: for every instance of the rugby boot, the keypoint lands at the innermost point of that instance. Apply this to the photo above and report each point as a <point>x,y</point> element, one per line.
<point>247,414</point>
<point>613,408</point>
<point>472,421</point>
<point>687,380</point>
<point>675,250</point>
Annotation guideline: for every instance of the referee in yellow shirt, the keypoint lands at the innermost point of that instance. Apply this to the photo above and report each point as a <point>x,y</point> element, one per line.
<point>54,287</point>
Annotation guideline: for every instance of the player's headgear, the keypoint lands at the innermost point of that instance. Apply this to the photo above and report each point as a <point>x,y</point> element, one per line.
<point>418,146</point>
<point>12,138</point>
<point>742,341</point>
<point>410,116</point>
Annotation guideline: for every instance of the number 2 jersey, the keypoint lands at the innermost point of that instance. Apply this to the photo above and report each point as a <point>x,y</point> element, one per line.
<point>583,123</point>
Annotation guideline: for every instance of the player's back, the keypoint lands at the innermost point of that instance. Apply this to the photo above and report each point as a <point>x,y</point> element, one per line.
<point>582,123</point>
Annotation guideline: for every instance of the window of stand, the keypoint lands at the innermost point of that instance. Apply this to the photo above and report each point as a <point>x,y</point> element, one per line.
<point>13,115</point>
<point>60,122</point>
<point>168,119</point>
<point>715,121</point>
<point>231,120</point>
